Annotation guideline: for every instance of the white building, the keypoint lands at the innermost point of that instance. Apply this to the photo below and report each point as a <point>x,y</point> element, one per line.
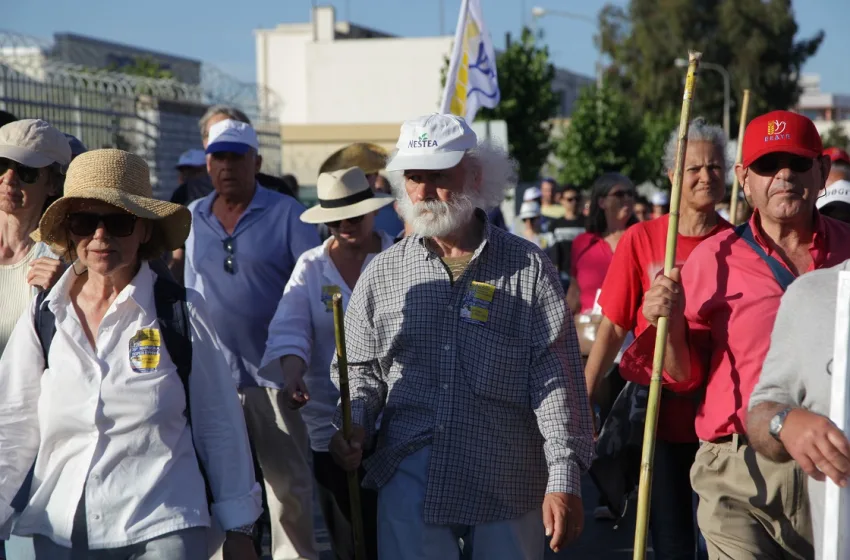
<point>340,83</point>
<point>825,109</point>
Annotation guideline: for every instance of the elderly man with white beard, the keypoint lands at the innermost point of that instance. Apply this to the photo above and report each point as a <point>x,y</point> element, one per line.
<point>459,337</point>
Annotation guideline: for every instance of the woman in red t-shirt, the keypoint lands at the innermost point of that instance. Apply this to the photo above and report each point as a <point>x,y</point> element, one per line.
<point>639,259</point>
<point>612,203</point>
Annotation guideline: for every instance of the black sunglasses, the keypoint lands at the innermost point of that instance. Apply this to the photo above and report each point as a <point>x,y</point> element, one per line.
<point>622,194</point>
<point>229,245</point>
<point>356,220</point>
<point>771,163</point>
<point>85,224</point>
<point>25,173</point>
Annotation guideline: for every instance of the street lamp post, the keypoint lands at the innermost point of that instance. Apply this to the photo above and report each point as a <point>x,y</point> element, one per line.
<point>727,93</point>
<point>537,12</point>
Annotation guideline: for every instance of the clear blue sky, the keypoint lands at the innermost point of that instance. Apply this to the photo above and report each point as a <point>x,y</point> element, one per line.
<point>220,31</point>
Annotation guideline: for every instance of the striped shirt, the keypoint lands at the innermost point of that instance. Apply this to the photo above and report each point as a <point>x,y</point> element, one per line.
<point>485,370</point>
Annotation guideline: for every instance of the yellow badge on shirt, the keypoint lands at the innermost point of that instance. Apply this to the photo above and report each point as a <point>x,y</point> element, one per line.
<point>144,350</point>
<point>476,303</point>
<point>328,293</point>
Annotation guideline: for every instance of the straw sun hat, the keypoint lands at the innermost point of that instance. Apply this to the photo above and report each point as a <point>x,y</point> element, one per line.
<point>344,194</point>
<point>371,158</point>
<point>121,179</point>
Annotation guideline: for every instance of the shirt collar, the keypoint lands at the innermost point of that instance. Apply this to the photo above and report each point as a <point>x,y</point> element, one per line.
<point>139,290</point>
<point>386,243</point>
<point>819,239</point>
<point>479,214</point>
<point>260,201</point>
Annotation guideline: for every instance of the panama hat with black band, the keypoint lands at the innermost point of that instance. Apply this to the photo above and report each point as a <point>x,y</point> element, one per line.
<point>344,194</point>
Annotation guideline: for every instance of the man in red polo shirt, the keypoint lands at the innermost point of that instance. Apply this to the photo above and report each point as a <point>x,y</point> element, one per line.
<point>721,316</point>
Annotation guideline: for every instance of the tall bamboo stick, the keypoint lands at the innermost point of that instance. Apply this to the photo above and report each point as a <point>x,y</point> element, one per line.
<point>742,126</point>
<point>345,397</point>
<point>645,488</point>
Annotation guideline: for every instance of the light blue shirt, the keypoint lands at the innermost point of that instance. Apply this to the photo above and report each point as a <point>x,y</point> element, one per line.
<point>268,239</point>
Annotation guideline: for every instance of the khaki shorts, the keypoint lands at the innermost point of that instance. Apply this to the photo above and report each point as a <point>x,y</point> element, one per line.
<point>749,506</point>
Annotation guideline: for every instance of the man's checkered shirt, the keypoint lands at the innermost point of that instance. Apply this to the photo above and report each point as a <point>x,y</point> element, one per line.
<point>502,402</point>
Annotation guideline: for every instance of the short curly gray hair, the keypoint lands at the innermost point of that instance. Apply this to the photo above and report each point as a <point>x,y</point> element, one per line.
<point>698,131</point>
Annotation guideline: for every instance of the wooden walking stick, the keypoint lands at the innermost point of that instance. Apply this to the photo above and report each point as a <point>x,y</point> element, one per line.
<point>742,126</point>
<point>345,397</point>
<point>645,488</point>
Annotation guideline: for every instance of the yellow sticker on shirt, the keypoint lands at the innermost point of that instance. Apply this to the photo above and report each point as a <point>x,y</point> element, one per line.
<point>328,293</point>
<point>144,350</point>
<point>476,303</point>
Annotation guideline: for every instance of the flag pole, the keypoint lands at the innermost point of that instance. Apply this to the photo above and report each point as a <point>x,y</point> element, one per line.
<point>742,126</point>
<point>645,488</point>
<point>345,397</point>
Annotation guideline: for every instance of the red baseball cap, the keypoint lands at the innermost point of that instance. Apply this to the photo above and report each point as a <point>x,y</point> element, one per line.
<point>781,131</point>
<point>837,154</point>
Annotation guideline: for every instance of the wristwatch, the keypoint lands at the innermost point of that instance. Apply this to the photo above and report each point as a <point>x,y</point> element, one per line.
<point>778,421</point>
<point>244,529</point>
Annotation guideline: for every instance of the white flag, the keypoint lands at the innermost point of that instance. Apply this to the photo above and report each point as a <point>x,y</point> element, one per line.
<point>471,82</point>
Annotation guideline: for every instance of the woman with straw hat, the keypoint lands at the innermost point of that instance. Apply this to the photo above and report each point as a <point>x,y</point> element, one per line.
<point>108,432</point>
<point>301,335</point>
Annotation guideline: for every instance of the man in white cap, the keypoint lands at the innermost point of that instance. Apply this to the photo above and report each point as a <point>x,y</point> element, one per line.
<point>243,246</point>
<point>460,337</point>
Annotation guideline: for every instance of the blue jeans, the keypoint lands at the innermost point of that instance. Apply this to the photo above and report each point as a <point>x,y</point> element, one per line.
<point>672,523</point>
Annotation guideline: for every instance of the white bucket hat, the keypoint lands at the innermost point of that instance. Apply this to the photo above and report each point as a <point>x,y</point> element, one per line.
<point>434,141</point>
<point>839,191</point>
<point>529,210</point>
<point>344,194</point>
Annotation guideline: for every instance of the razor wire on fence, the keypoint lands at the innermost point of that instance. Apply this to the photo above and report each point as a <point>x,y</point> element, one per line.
<point>153,117</point>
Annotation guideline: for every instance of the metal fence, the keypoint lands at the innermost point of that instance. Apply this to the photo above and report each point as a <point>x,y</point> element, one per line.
<point>154,118</point>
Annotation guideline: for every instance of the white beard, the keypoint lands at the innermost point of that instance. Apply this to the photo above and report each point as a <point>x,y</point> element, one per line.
<point>435,218</point>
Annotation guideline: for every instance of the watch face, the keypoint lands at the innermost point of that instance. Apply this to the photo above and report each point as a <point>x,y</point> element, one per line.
<point>775,425</point>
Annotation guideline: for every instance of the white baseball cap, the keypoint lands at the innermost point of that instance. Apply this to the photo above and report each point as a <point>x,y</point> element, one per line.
<point>531,193</point>
<point>660,199</point>
<point>34,143</point>
<point>435,141</point>
<point>232,136</point>
<point>192,158</point>
<point>529,210</point>
<point>839,191</point>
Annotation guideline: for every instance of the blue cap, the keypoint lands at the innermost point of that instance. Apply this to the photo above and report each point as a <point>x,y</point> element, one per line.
<point>77,147</point>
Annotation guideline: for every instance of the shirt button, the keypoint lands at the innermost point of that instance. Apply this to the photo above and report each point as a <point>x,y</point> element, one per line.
<point>447,347</point>
<point>445,385</point>
<point>95,477</point>
<point>450,308</point>
<point>96,517</point>
<point>440,428</point>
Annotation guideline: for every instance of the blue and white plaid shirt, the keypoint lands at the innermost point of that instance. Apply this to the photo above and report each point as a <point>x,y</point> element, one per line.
<point>500,398</point>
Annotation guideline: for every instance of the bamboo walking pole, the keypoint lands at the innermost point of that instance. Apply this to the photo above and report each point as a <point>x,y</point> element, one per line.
<point>345,397</point>
<point>742,126</point>
<point>645,488</point>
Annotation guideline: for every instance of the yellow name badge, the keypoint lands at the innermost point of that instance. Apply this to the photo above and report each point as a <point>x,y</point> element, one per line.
<point>476,303</point>
<point>144,350</point>
<point>328,293</point>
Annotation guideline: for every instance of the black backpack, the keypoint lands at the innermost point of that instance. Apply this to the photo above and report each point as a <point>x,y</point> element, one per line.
<point>173,315</point>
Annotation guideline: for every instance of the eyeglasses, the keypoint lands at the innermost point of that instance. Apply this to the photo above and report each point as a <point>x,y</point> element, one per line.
<point>622,194</point>
<point>771,163</point>
<point>230,260</point>
<point>25,173</point>
<point>85,224</point>
<point>355,220</point>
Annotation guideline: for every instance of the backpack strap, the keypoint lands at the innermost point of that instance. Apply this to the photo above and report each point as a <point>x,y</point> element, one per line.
<point>173,316</point>
<point>783,276</point>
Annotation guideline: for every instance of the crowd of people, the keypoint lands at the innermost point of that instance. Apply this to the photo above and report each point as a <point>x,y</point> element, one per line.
<point>169,387</point>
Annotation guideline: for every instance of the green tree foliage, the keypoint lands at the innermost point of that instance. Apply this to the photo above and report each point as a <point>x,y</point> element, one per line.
<point>836,137</point>
<point>607,133</point>
<point>144,67</point>
<point>528,105</point>
<point>755,40</point>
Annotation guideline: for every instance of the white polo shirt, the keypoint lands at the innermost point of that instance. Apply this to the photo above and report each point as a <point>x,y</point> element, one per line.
<point>111,421</point>
<point>303,325</point>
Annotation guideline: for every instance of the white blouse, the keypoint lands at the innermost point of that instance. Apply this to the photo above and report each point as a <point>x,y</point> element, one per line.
<point>110,421</point>
<point>303,325</point>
